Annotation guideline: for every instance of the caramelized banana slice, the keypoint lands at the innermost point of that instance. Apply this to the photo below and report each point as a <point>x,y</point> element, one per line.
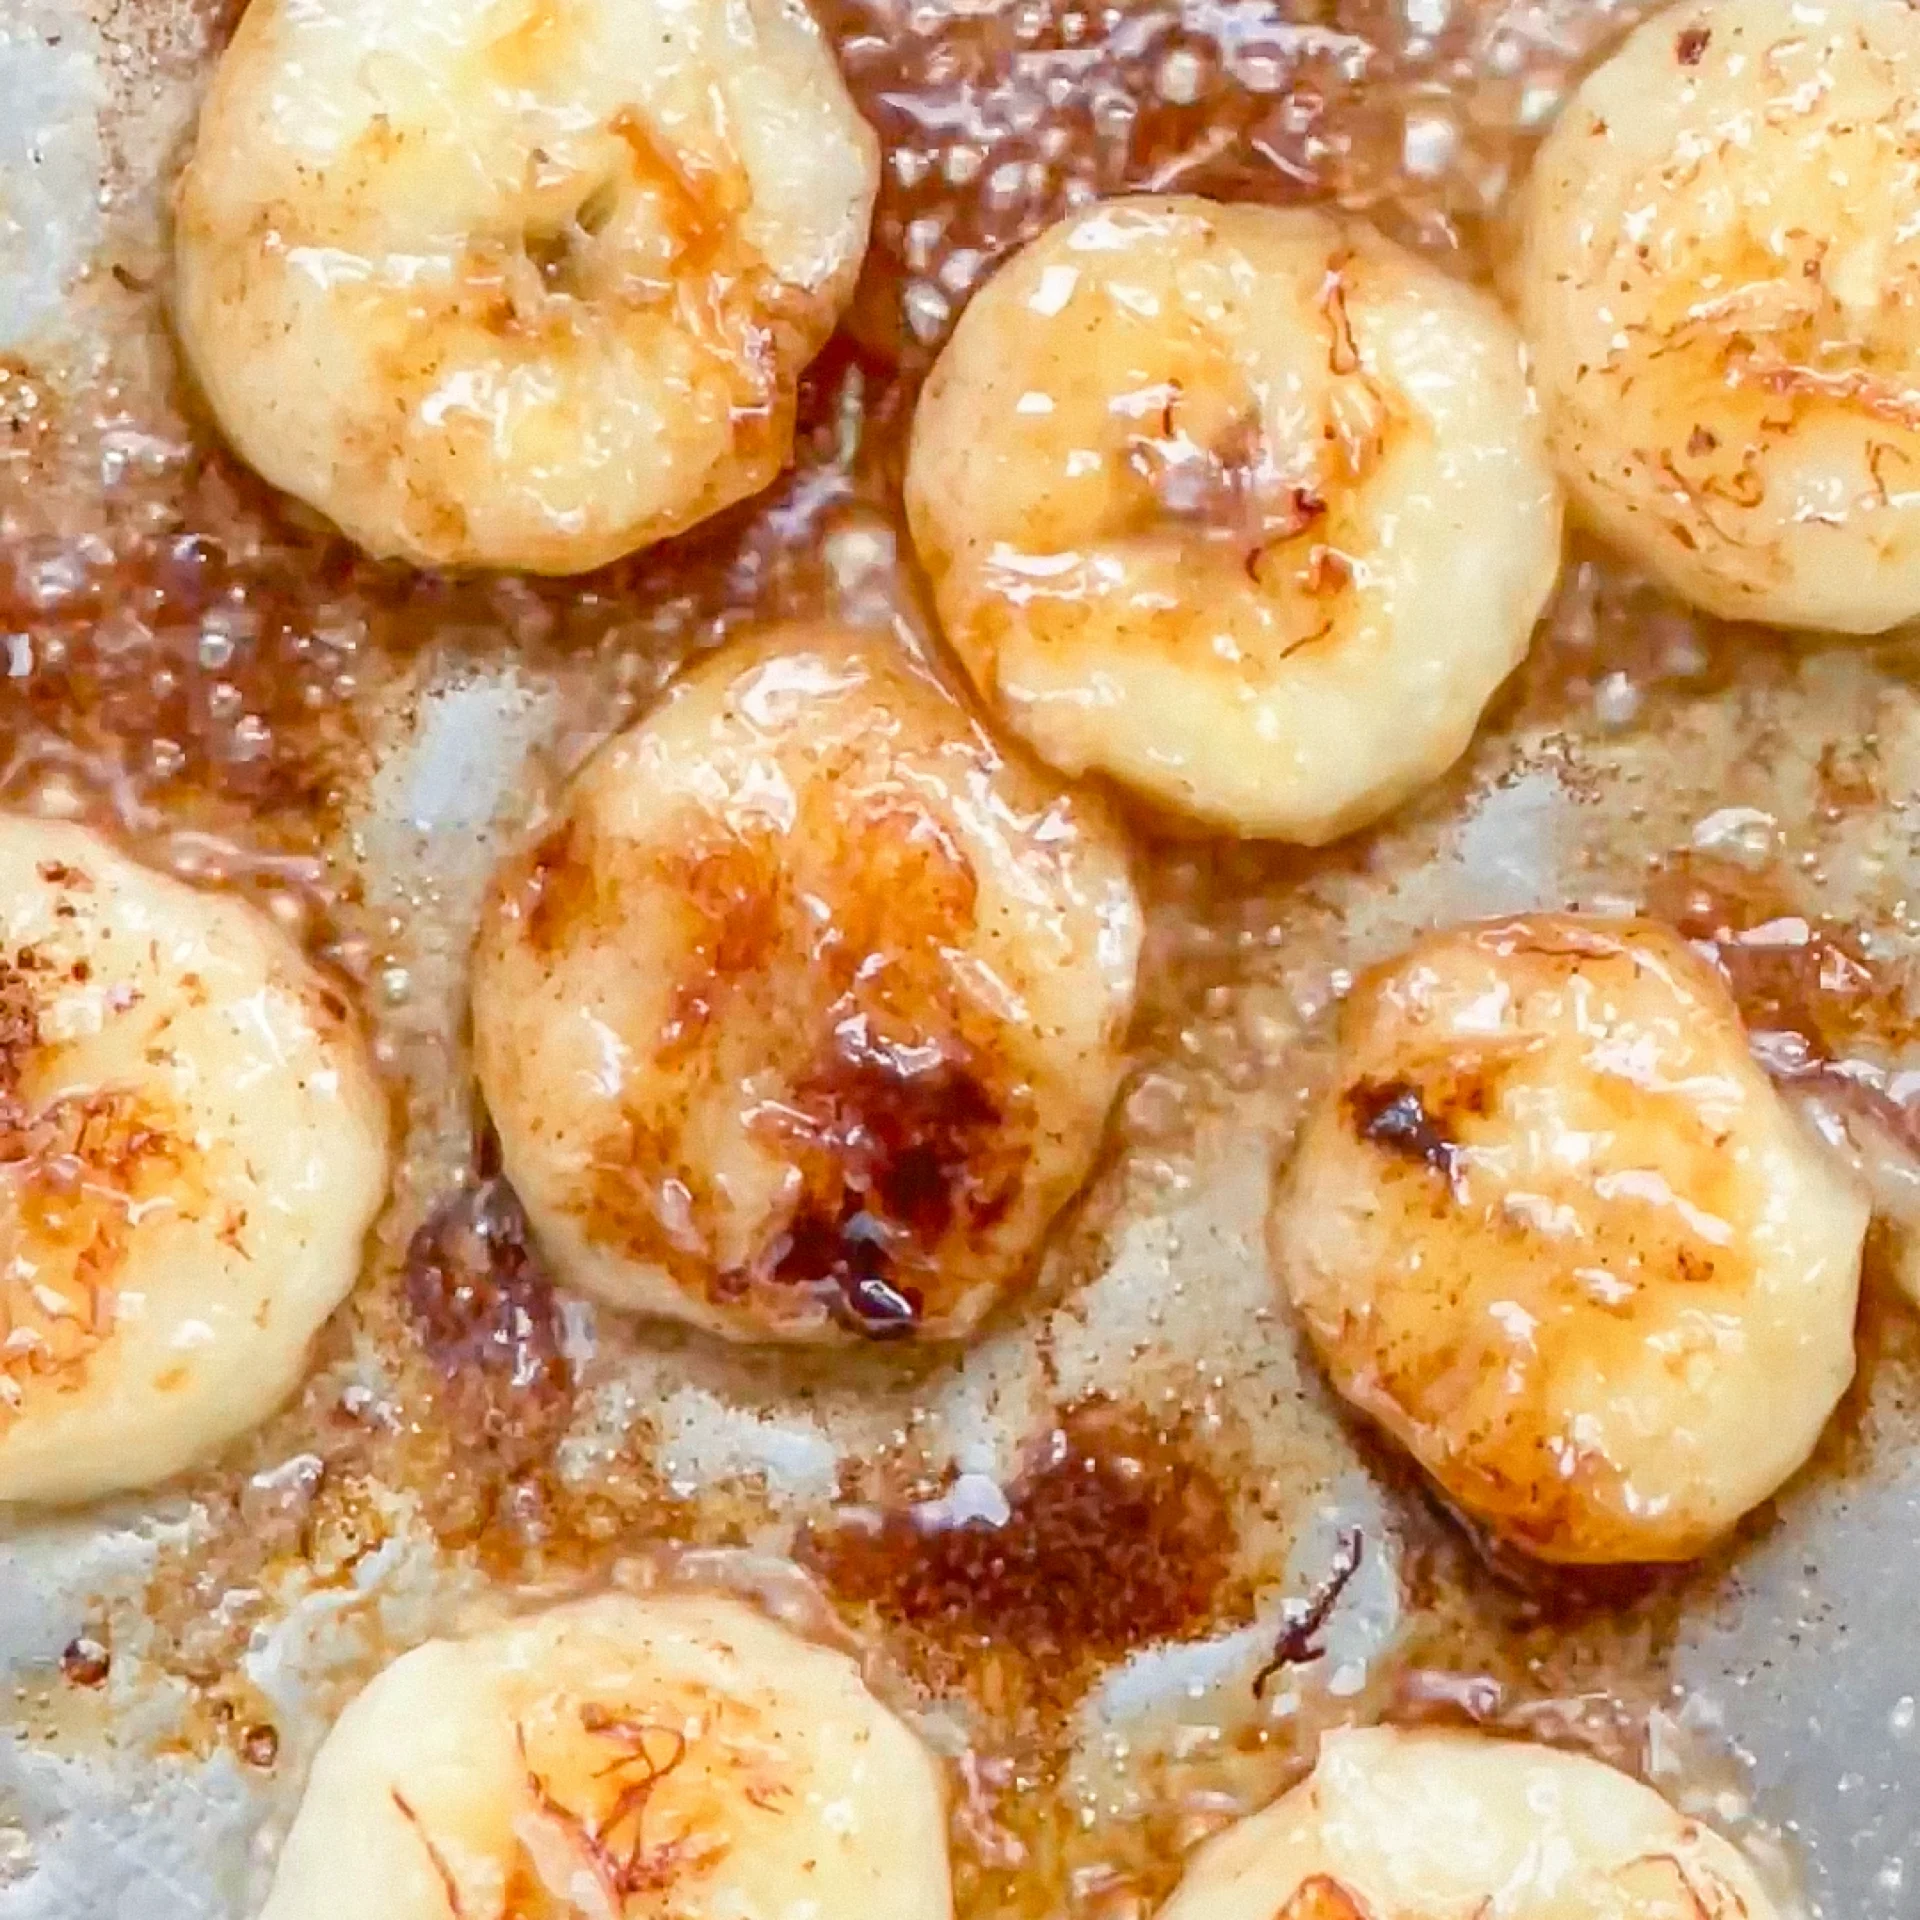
<point>1558,1234</point>
<point>192,1147</point>
<point>514,284</point>
<point>1720,283</point>
<point>618,1757</point>
<point>804,1017</point>
<point>1455,1826</point>
<point>1249,509</point>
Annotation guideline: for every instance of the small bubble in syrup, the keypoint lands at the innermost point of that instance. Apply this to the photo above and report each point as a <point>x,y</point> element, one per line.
<point>1180,78</point>
<point>396,983</point>
<point>1901,1719</point>
<point>1260,72</point>
<point>1616,701</point>
<point>1539,103</point>
<point>928,311</point>
<point>922,241</point>
<point>1428,144</point>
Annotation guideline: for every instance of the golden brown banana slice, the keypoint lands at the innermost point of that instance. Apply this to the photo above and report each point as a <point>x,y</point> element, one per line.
<point>192,1147</point>
<point>1438,1825</point>
<point>614,1758</point>
<point>507,283</point>
<point>1554,1229</point>
<point>1720,283</point>
<point>1247,508</point>
<point>803,1018</point>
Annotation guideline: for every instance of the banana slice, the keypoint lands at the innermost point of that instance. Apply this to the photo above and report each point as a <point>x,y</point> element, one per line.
<point>192,1147</point>
<point>505,283</point>
<point>1558,1234</point>
<point>613,1758</point>
<point>1249,509</point>
<point>1720,282</point>
<point>1456,1826</point>
<point>803,1019</point>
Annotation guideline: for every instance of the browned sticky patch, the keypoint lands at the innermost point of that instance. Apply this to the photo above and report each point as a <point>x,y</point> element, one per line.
<point>601,1821</point>
<point>523,50</point>
<point>1103,1491</point>
<point>1690,43</point>
<point>1461,1352</point>
<point>900,1107</point>
<point>1790,972</point>
<point>1322,1897</point>
<point>71,1172</point>
<point>482,1310</point>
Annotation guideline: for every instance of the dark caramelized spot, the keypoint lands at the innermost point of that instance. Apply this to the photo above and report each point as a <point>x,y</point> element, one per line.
<point>72,1173</point>
<point>812,962</point>
<point>1690,43</point>
<point>902,1137</point>
<point>483,1314</point>
<point>1391,1115</point>
<point>86,1661</point>
<point>1116,1536</point>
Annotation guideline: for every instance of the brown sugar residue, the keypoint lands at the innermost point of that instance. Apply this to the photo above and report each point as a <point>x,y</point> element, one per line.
<point>1792,973</point>
<point>900,1109</point>
<point>483,1314</point>
<point>1116,1536</point>
<point>72,1174</point>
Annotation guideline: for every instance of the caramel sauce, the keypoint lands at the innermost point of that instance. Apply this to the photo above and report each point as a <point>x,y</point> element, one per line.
<point>187,654</point>
<point>1114,1537</point>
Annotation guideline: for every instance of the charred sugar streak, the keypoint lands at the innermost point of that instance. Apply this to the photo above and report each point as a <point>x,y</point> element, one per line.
<point>1392,1115</point>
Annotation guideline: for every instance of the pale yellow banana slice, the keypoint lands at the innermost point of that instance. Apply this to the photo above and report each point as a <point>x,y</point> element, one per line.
<point>1720,283</point>
<point>1441,1825</point>
<point>510,283</point>
<point>192,1147</point>
<point>617,1759</point>
<point>1558,1234</point>
<point>803,1018</point>
<point>1247,508</point>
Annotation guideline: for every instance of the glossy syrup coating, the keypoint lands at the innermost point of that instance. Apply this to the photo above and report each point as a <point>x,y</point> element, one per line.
<point>1430,1825</point>
<point>192,1148</point>
<point>615,1756</point>
<point>1555,1231</point>
<point>1247,508</point>
<point>520,285</point>
<point>1720,283</point>
<point>802,1019</point>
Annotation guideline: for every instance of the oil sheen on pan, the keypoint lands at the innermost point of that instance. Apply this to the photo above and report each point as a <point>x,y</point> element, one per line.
<point>763,957</point>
